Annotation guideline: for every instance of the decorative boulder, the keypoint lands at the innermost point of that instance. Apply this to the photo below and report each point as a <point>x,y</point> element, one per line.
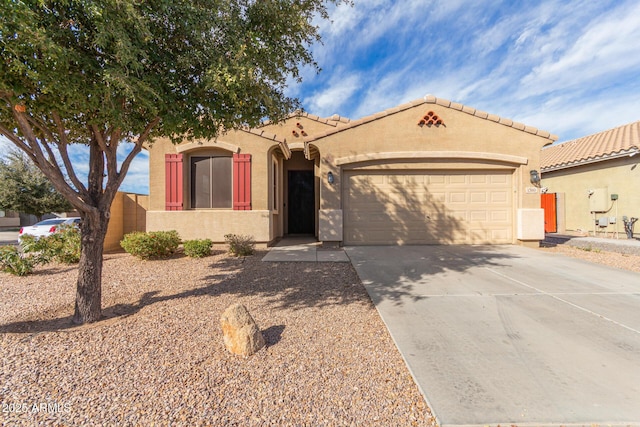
<point>241,334</point>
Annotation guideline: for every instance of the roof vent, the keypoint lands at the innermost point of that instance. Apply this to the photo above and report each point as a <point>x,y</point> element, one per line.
<point>430,119</point>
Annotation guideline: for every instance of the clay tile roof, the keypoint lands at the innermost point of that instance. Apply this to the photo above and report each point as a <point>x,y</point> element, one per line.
<point>430,99</point>
<point>612,143</point>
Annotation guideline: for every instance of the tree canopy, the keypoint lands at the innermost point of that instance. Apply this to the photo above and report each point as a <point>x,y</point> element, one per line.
<point>99,72</point>
<point>24,188</point>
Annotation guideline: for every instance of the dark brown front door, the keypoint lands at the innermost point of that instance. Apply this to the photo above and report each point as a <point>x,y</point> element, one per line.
<point>301,205</point>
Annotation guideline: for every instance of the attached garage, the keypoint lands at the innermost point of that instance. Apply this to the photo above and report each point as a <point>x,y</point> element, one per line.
<point>428,207</point>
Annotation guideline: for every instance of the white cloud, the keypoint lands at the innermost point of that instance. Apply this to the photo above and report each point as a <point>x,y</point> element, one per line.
<point>608,45</point>
<point>329,100</point>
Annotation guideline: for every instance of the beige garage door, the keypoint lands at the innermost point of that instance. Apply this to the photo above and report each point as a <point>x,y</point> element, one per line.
<point>427,207</point>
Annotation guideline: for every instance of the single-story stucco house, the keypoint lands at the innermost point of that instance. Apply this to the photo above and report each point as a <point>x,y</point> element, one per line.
<point>430,171</point>
<point>595,180</point>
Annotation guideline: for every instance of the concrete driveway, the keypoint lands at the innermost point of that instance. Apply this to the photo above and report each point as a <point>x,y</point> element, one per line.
<point>510,335</point>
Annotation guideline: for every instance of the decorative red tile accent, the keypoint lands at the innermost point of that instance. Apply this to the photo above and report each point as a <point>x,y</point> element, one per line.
<point>430,119</point>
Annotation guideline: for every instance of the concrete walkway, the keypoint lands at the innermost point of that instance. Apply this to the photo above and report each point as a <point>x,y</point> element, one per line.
<point>303,249</point>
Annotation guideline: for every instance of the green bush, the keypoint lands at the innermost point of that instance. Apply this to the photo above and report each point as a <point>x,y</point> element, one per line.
<point>154,244</point>
<point>13,261</point>
<point>240,245</point>
<point>198,248</point>
<point>62,246</point>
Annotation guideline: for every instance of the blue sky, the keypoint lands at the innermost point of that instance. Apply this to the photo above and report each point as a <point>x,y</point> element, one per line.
<point>569,67</point>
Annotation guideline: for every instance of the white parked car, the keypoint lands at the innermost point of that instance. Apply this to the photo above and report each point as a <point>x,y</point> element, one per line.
<point>47,227</point>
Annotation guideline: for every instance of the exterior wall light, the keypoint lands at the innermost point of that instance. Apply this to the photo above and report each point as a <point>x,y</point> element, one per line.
<point>330,178</point>
<point>534,176</point>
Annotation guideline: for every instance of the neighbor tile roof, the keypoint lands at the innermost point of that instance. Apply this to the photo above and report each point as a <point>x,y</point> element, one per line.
<point>430,99</point>
<point>612,143</point>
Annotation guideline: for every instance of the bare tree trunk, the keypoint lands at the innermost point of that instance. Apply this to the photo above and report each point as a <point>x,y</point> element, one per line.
<point>89,286</point>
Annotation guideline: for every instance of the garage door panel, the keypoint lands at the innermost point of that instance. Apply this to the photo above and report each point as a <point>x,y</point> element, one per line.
<point>457,179</point>
<point>500,179</point>
<point>500,216</point>
<point>478,197</point>
<point>481,216</point>
<point>457,197</point>
<point>500,197</point>
<point>478,179</point>
<point>460,215</point>
<point>404,207</point>
<point>435,179</point>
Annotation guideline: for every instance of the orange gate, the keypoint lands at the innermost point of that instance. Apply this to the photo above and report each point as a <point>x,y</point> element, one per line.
<point>548,202</point>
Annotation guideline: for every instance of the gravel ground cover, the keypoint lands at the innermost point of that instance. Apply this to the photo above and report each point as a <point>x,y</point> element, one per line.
<point>158,358</point>
<point>592,253</point>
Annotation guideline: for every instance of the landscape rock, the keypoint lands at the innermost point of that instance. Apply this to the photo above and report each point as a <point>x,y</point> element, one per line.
<point>241,333</point>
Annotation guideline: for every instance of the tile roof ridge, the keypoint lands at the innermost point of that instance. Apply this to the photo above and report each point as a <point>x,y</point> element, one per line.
<point>604,145</point>
<point>336,118</point>
<point>431,99</point>
<point>261,133</point>
<point>616,128</point>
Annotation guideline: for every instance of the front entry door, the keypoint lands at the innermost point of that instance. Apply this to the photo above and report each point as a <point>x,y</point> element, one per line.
<point>301,203</point>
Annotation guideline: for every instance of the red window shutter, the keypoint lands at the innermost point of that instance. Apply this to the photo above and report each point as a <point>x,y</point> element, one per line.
<point>173,182</point>
<point>242,182</point>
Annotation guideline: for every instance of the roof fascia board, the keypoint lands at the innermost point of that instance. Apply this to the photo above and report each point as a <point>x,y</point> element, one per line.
<point>432,155</point>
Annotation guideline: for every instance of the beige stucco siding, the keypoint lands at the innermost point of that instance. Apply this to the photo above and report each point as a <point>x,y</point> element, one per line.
<point>619,176</point>
<point>211,224</point>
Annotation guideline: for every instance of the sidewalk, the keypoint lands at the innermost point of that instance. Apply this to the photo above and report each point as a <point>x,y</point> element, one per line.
<point>8,238</point>
<point>303,249</point>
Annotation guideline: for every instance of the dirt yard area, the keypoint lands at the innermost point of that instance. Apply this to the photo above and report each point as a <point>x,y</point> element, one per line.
<point>158,358</point>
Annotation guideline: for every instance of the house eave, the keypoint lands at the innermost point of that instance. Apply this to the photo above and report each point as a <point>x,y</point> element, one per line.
<point>624,153</point>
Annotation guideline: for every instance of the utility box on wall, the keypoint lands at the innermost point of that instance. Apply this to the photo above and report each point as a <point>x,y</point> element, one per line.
<point>599,200</point>
<point>530,224</point>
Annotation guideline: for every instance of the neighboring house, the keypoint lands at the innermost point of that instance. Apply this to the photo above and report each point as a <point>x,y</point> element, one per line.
<point>596,180</point>
<point>427,172</point>
<point>9,219</point>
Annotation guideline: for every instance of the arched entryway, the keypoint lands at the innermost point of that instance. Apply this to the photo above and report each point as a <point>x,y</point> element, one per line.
<point>299,195</point>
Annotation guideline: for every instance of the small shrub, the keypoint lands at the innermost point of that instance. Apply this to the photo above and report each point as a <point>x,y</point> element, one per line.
<point>70,245</point>
<point>154,244</point>
<point>17,263</point>
<point>589,249</point>
<point>240,245</point>
<point>198,248</point>
<point>63,246</point>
